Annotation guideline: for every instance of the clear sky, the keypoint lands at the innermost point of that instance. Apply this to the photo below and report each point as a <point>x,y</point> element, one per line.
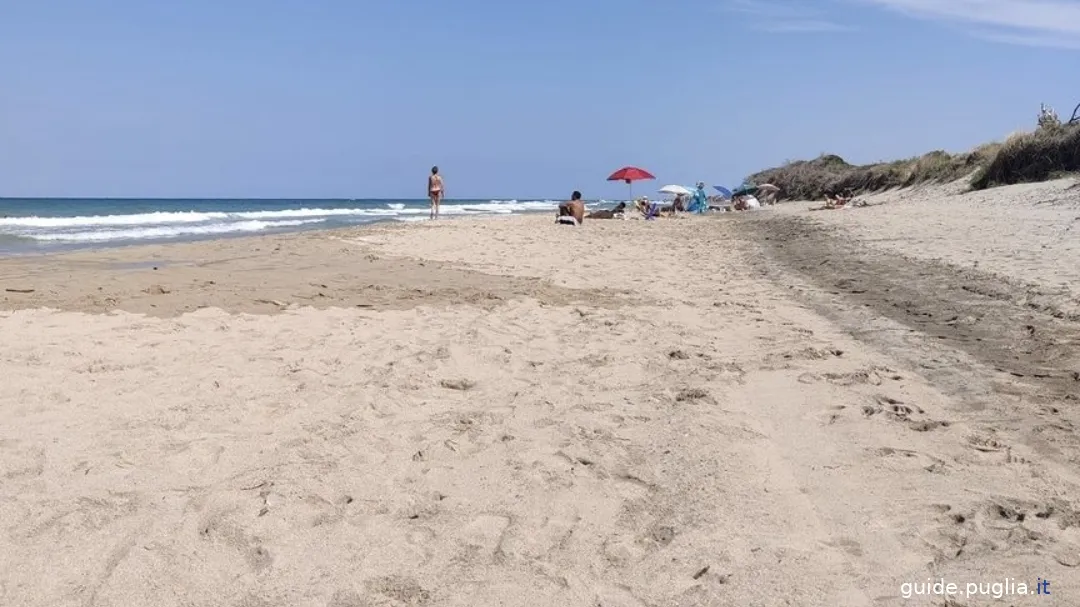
<point>358,98</point>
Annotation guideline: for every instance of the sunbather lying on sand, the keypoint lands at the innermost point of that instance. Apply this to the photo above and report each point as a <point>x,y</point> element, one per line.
<point>741,203</point>
<point>608,213</point>
<point>836,201</point>
<point>652,210</point>
<point>833,203</point>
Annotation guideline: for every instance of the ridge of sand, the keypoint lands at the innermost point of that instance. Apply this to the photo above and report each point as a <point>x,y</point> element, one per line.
<point>682,412</point>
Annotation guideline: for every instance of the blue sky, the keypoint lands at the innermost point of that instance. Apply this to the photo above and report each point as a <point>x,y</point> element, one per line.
<point>358,98</point>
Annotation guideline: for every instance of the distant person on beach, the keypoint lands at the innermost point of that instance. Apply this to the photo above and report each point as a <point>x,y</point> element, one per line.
<point>838,199</point>
<point>679,205</point>
<point>608,213</point>
<point>435,191</point>
<point>699,200</point>
<point>649,209</point>
<point>574,208</point>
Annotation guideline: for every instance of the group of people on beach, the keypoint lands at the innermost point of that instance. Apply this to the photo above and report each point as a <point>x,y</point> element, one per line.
<point>572,212</point>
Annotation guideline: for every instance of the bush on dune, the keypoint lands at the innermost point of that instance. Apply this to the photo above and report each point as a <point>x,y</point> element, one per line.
<point>1050,151</point>
<point>1025,157</point>
<point>830,174</point>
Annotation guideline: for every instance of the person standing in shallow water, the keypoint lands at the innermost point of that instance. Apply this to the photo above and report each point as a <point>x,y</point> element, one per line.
<point>435,191</point>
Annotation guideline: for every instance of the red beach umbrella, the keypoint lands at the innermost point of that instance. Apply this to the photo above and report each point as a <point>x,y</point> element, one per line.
<point>630,175</point>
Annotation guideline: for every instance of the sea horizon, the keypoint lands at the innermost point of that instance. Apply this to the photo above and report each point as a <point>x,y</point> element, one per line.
<point>46,225</point>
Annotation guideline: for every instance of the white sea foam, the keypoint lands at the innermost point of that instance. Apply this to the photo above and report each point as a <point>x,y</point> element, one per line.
<point>111,220</point>
<point>157,218</point>
<point>169,231</point>
<point>168,225</point>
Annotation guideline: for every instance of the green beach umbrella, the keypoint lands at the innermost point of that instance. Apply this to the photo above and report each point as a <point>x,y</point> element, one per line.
<point>745,189</point>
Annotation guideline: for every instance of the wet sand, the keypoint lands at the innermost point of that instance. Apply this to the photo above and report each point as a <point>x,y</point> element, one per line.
<point>774,408</point>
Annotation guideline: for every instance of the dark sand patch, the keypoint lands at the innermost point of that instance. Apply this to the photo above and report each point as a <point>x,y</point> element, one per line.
<point>262,275</point>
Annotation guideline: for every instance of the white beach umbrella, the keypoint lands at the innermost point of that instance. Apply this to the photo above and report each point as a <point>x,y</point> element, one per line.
<point>675,190</point>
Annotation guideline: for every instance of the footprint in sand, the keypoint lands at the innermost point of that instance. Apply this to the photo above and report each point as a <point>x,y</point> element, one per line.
<point>1000,525</point>
<point>812,354</point>
<point>899,411</point>
<point>19,460</point>
<point>874,376</point>
<point>693,395</point>
<point>661,535</point>
<point>258,557</point>
<point>986,443</point>
<point>830,415</point>
<point>255,600</point>
<point>906,458</point>
<point>401,589</point>
<point>536,538</point>
<point>85,514</point>
<point>347,598</point>
<point>482,538</point>
<point>927,425</point>
<point>617,596</point>
<point>729,372</point>
<point>622,551</point>
<point>219,529</point>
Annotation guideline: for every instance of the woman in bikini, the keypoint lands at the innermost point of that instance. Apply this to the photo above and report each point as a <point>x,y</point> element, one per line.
<point>435,191</point>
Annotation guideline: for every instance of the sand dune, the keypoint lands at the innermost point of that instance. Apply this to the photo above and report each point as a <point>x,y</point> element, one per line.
<point>509,412</point>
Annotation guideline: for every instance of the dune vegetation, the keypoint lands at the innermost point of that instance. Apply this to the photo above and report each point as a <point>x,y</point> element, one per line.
<point>1051,150</point>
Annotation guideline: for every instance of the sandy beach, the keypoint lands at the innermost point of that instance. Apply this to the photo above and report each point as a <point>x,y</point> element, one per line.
<point>779,408</point>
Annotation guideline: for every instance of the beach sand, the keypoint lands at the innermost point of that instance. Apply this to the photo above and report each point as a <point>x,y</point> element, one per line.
<point>753,409</point>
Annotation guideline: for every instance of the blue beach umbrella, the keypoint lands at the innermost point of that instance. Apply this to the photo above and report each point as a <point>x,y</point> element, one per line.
<point>726,192</point>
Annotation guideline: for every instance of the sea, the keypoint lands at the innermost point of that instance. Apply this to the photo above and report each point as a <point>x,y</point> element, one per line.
<point>44,225</point>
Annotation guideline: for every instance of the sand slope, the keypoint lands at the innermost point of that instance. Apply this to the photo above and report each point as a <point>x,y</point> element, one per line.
<point>627,414</point>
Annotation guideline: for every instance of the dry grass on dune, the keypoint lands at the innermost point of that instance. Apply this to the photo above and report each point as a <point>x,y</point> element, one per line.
<point>1045,153</point>
<point>1025,157</point>
<point>830,174</point>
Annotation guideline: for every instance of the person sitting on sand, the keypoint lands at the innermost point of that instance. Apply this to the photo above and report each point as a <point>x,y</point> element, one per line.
<point>679,205</point>
<point>608,213</point>
<point>650,210</point>
<point>574,208</point>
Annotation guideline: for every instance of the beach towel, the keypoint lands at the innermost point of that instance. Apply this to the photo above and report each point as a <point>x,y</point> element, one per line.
<point>566,220</point>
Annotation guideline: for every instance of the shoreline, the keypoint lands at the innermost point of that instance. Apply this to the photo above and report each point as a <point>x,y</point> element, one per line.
<point>59,225</point>
<point>106,246</point>
<point>252,274</point>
